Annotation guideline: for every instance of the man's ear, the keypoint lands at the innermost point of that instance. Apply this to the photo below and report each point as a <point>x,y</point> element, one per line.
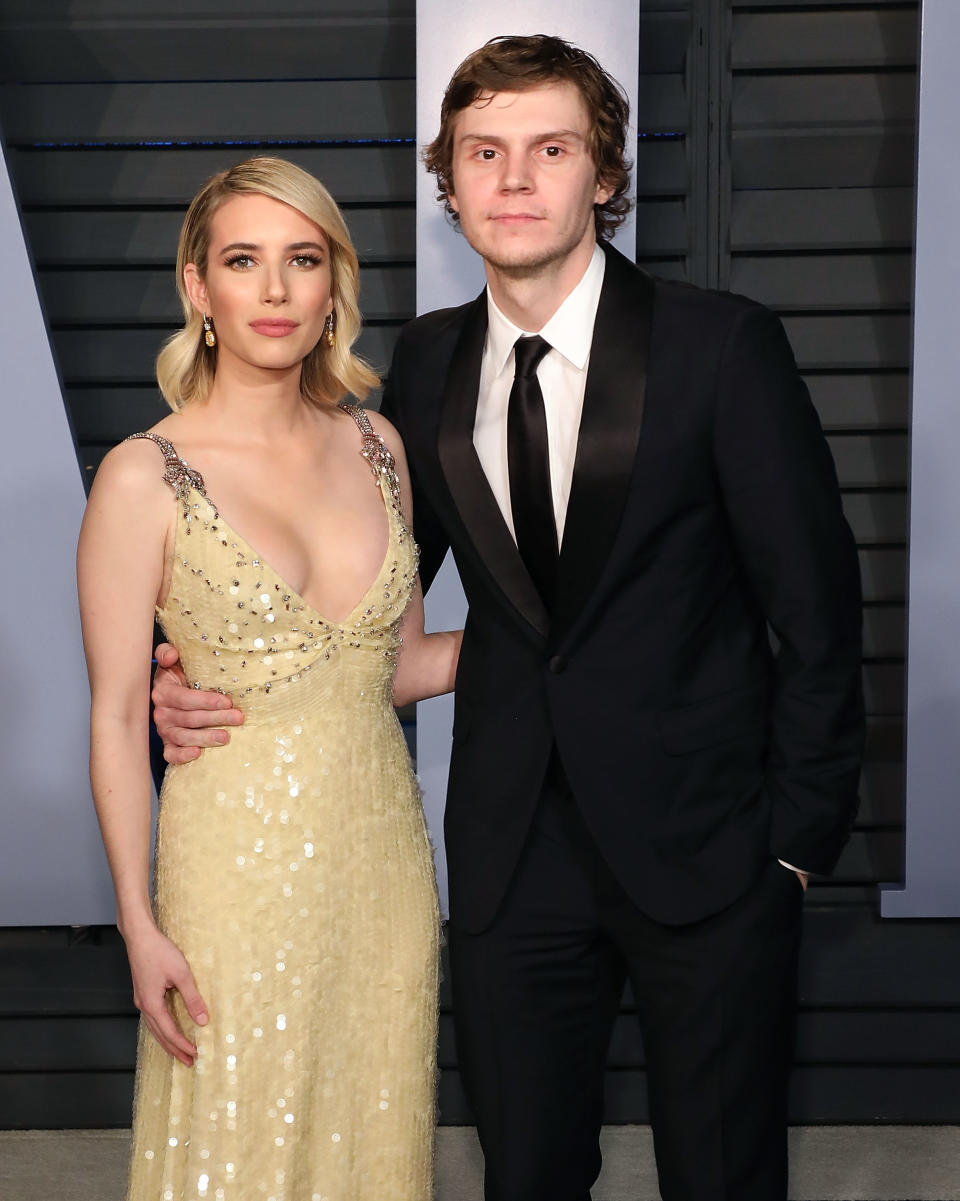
<point>602,194</point>
<point>452,201</point>
<point>196,288</point>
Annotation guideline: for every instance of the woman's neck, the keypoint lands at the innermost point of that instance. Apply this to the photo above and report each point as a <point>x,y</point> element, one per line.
<point>256,405</point>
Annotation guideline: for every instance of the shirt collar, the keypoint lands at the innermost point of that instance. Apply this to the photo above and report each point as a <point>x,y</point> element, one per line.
<point>569,331</point>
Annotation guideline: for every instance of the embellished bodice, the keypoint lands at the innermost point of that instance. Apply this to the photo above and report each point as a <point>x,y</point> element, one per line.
<point>241,628</point>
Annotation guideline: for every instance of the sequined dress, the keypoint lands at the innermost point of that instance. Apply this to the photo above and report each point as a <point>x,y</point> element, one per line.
<point>294,871</point>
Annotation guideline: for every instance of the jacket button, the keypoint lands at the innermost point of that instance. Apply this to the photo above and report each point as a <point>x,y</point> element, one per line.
<point>557,664</point>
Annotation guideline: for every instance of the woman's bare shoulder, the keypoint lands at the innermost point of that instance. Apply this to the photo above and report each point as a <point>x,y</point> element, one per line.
<point>133,470</point>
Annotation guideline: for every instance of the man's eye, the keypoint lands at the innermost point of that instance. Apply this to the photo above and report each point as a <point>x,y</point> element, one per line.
<point>553,151</point>
<point>488,155</point>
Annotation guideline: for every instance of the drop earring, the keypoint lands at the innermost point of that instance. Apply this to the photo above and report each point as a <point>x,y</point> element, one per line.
<point>330,330</point>
<point>208,335</point>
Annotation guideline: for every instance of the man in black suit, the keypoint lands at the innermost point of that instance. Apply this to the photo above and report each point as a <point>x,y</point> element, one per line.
<point>634,485</point>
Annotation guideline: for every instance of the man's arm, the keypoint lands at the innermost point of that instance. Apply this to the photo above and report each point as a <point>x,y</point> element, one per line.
<point>429,532</point>
<point>780,489</point>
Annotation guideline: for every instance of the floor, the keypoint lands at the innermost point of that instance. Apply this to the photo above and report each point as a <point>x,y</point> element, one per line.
<point>833,1163</point>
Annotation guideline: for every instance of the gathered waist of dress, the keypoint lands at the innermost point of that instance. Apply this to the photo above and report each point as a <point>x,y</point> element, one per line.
<point>236,659</point>
<point>363,682</point>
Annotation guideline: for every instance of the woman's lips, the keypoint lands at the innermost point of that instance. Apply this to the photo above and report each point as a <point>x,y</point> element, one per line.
<point>273,328</point>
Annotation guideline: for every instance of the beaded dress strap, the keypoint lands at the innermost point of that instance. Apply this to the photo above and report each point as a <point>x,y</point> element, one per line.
<point>374,450</point>
<point>176,471</point>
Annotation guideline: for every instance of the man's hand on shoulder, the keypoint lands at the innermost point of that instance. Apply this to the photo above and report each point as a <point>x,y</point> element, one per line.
<point>187,720</point>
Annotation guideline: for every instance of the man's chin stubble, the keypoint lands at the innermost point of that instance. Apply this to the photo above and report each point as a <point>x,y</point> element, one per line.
<point>525,264</point>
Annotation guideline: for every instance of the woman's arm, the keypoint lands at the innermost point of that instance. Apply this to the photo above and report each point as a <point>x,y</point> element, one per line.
<point>427,665</point>
<point>120,574</point>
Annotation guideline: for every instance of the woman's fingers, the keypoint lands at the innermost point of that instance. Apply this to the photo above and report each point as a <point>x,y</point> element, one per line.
<point>164,1029</point>
<point>186,986</point>
<point>159,967</point>
<point>162,1025</point>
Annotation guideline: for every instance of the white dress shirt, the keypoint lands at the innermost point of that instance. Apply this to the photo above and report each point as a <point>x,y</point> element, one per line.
<point>563,376</point>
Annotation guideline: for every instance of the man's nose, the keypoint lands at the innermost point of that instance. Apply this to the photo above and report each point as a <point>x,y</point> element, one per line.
<point>516,175</point>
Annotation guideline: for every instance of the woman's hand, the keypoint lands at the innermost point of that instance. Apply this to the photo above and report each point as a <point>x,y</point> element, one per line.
<point>157,965</point>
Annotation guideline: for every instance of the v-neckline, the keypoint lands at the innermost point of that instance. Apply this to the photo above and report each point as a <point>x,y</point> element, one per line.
<point>288,588</point>
<point>192,480</point>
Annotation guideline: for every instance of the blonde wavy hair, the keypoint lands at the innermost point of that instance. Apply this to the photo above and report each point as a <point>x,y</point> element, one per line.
<point>186,365</point>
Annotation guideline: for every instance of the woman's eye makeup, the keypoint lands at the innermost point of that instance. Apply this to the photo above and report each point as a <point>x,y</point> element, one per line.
<point>303,259</point>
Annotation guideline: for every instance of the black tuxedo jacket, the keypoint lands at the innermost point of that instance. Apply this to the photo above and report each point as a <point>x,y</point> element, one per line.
<point>704,506</point>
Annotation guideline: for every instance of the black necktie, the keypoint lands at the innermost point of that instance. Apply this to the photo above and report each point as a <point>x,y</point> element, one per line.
<point>528,460</point>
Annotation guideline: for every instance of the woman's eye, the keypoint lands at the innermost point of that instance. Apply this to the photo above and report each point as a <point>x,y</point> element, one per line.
<point>306,260</point>
<point>240,260</point>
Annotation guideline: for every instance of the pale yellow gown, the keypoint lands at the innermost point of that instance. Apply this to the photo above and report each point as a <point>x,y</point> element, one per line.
<point>295,873</point>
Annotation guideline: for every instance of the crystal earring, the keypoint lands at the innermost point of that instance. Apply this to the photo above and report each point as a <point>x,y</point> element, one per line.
<point>208,335</point>
<point>329,330</point>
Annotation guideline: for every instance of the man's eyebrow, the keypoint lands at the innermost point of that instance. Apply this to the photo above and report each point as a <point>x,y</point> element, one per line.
<point>555,135</point>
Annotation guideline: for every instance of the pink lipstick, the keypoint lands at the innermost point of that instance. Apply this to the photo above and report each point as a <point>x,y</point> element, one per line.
<point>274,327</point>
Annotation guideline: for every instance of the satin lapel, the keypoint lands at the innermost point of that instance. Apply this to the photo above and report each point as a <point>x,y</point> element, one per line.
<point>609,434</point>
<point>466,480</point>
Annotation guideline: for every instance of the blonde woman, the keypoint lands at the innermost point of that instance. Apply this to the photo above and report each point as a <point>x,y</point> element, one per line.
<point>286,967</point>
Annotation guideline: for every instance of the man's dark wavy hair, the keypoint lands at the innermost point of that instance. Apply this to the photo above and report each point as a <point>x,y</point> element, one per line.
<point>517,64</point>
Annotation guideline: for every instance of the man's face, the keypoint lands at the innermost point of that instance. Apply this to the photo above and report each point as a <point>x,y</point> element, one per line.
<point>524,182</point>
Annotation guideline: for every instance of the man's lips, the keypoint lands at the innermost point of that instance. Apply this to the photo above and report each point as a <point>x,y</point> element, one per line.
<point>273,327</point>
<point>515,218</point>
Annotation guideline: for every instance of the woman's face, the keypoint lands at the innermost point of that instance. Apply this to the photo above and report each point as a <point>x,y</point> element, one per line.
<point>267,285</point>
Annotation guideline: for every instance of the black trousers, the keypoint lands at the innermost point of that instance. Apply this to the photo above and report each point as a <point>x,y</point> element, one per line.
<point>536,994</point>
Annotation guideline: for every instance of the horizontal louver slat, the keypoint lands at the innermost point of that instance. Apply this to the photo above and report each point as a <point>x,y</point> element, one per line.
<point>862,401</point>
<point>168,176</point>
<point>310,44</point>
<point>830,100</point>
<point>821,219</point>
<point>823,39</point>
<point>835,157</point>
<point>834,282</point>
<point>306,110</point>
